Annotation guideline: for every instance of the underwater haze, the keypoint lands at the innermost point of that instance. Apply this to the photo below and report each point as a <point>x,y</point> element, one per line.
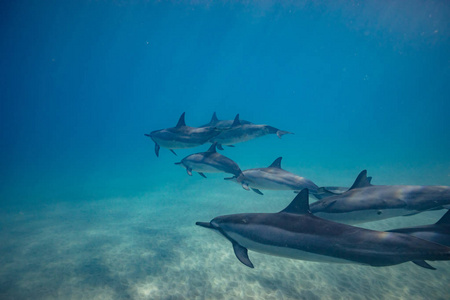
<point>88,211</point>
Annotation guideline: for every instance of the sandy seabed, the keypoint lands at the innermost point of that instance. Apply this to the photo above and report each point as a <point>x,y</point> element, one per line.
<point>148,247</point>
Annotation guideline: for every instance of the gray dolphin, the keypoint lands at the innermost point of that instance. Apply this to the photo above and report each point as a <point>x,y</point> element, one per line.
<point>365,202</point>
<point>296,233</point>
<point>239,133</point>
<point>437,233</point>
<point>273,178</point>
<point>181,136</point>
<point>222,124</point>
<point>209,162</point>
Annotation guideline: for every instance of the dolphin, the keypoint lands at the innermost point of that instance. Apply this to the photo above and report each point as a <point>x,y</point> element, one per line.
<point>365,202</point>
<point>296,233</point>
<point>181,136</point>
<point>273,178</point>
<point>437,233</point>
<point>209,162</point>
<point>239,133</point>
<point>222,124</point>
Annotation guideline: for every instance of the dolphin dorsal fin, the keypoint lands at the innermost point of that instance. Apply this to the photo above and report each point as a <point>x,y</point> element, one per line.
<point>214,119</point>
<point>361,181</point>
<point>236,121</point>
<point>181,121</point>
<point>445,220</point>
<point>276,163</point>
<point>212,149</point>
<point>300,204</point>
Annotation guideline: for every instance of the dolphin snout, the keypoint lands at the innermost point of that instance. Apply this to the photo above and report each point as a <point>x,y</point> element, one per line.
<point>205,224</point>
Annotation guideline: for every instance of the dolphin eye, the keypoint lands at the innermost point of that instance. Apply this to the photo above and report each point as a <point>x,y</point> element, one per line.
<point>379,212</point>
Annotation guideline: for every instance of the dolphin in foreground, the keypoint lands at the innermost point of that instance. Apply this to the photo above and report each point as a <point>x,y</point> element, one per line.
<point>296,233</point>
<point>437,233</point>
<point>365,202</point>
<point>181,136</point>
<point>239,133</point>
<point>222,124</point>
<point>209,162</point>
<point>273,178</point>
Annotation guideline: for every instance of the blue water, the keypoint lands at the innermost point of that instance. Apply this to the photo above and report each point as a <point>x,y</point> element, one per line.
<point>88,210</point>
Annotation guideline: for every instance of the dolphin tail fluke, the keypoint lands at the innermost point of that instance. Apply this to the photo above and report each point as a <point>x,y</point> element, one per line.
<point>423,264</point>
<point>242,254</point>
<point>173,152</point>
<point>201,174</point>
<point>157,147</point>
<point>219,146</point>
<point>280,133</point>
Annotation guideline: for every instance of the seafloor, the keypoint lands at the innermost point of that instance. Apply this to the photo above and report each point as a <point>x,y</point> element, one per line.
<point>148,247</point>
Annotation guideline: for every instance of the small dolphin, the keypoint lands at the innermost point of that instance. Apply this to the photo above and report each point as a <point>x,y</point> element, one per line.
<point>222,124</point>
<point>273,178</point>
<point>181,136</point>
<point>296,233</point>
<point>365,202</point>
<point>209,162</point>
<point>239,133</point>
<point>437,233</point>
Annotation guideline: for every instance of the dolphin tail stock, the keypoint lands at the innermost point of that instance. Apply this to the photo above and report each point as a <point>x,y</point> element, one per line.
<point>323,192</point>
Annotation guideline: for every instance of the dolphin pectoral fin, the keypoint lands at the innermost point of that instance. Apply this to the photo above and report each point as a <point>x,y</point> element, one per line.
<point>157,149</point>
<point>245,186</point>
<point>280,133</point>
<point>257,191</point>
<point>231,146</point>
<point>229,178</point>
<point>242,254</point>
<point>189,171</point>
<point>201,174</point>
<point>219,146</point>
<point>173,152</point>
<point>423,264</point>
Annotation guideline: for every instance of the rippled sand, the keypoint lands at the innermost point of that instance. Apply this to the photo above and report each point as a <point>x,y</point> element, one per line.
<point>148,247</point>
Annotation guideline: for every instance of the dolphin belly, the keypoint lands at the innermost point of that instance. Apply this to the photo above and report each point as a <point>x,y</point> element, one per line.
<point>204,168</point>
<point>286,251</point>
<point>174,144</point>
